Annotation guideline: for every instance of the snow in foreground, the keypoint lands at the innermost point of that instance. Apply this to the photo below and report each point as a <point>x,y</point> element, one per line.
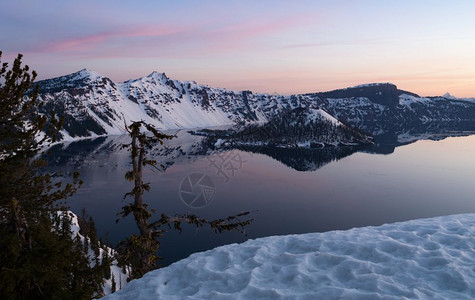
<point>430,258</point>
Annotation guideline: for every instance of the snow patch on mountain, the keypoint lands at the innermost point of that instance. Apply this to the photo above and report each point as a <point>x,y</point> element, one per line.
<point>369,85</point>
<point>321,114</point>
<point>408,100</point>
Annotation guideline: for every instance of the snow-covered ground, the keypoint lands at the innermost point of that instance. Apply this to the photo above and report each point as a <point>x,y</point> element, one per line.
<point>119,276</point>
<point>422,259</point>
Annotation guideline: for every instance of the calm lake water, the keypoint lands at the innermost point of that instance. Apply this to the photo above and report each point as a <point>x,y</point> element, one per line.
<point>287,191</point>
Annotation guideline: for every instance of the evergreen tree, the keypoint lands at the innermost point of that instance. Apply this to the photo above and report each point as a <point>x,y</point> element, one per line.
<point>93,237</point>
<point>86,246</point>
<point>106,264</point>
<point>38,258</point>
<point>113,284</point>
<point>139,251</point>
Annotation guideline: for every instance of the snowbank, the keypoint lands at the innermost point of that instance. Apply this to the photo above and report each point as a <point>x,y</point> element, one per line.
<point>429,259</point>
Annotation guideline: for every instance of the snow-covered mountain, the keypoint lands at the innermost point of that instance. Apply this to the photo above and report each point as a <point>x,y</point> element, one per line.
<point>383,107</point>
<point>95,105</point>
<point>299,127</point>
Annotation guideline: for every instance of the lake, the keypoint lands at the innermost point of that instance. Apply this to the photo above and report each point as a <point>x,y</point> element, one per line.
<point>287,190</point>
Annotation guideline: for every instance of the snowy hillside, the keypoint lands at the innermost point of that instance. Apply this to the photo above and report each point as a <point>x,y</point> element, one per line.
<point>429,259</point>
<point>95,105</point>
<point>382,108</point>
<point>300,127</point>
<point>120,278</point>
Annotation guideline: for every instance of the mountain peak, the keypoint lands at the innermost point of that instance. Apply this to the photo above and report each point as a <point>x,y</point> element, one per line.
<point>448,96</point>
<point>87,73</point>
<point>156,74</point>
<point>80,78</point>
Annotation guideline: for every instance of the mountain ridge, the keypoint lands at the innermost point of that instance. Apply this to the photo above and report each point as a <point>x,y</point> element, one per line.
<point>95,105</point>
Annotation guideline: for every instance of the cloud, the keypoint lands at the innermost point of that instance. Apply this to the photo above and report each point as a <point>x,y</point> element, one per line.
<point>96,40</point>
<point>360,42</point>
<point>169,40</point>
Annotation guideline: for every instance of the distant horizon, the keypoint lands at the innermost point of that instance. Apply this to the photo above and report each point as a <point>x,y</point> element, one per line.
<point>264,46</point>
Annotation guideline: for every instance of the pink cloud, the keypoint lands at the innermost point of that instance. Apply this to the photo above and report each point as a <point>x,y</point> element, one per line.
<point>92,41</point>
<point>177,41</point>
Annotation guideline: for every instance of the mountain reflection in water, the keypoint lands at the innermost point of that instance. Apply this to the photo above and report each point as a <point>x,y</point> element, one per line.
<point>289,190</point>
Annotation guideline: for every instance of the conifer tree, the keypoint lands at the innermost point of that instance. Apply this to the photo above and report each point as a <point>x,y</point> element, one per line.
<point>106,264</point>
<point>139,251</point>
<point>113,284</point>
<point>93,237</point>
<point>38,258</point>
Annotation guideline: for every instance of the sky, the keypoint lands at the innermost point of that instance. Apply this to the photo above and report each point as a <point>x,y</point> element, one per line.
<point>285,47</point>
